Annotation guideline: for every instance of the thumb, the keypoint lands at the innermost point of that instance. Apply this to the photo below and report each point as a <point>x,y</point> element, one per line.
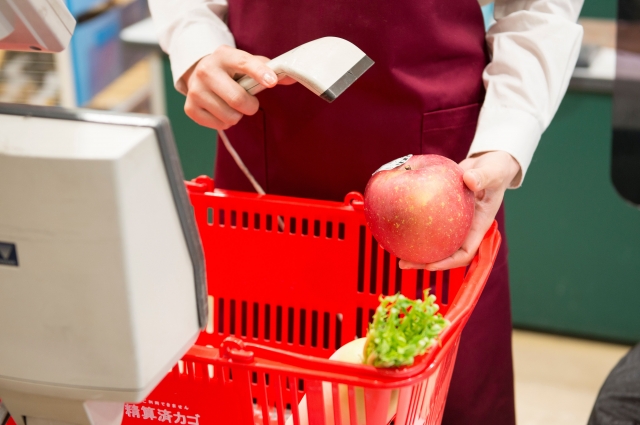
<point>480,178</point>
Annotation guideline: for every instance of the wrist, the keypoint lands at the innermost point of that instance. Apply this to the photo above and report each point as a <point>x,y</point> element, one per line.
<point>187,75</point>
<point>513,169</point>
<point>508,167</point>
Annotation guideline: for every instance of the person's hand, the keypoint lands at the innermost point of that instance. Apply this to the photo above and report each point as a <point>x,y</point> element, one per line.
<point>488,176</point>
<point>214,98</point>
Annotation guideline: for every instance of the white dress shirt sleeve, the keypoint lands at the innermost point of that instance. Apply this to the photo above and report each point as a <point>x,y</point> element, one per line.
<point>188,30</point>
<point>534,46</point>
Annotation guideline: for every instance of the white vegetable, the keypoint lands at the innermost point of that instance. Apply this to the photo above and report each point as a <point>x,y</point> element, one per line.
<point>351,352</point>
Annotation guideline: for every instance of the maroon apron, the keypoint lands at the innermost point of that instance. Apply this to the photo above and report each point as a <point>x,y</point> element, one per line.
<point>422,95</point>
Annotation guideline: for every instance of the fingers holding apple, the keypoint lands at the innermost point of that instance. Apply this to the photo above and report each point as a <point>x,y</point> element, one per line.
<point>418,208</point>
<point>488,176</point>
<point>433,213</point>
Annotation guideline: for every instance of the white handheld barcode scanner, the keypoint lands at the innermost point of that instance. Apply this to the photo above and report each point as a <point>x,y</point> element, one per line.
<point>326,66</point>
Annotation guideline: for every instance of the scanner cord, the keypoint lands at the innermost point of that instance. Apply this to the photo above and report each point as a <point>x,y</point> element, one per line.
<point>240,163</point>
<point>245,170</point>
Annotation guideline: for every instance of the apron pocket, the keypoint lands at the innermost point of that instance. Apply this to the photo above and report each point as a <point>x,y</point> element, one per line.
<point>449,132</point>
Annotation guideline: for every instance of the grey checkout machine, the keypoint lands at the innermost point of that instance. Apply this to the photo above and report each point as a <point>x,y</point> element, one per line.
<point>102,285</point>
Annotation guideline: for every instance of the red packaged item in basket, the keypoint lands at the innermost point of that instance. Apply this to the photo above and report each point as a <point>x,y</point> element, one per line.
<point>290,281</point>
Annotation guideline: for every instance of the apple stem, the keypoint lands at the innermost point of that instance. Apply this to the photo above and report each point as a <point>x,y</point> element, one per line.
<point>407,167</point>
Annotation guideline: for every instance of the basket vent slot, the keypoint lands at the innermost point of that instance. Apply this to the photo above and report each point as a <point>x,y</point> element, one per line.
<point>303,326</point>
<point>256,221</point>
<point>210,214</point>
<point>419,284</point>
<point>326,329</point>
<point>329,232</point>
<point>305,227</point>
<point>232,317</point>
<point>398,277</point>
<point>221,217</point>
<point>292,225</point>
<point>314,328</point>
<point>256,319</point>
<point>359,313</point>
<point>373,276</point>
<point>279,323</point>
<point>269,222</point>
<point>267,322</point>
<point>280,224</point>
<point>432,282</point>
<point>445,287</point>
<point>385,272</point>
<point>361,254</point>
<point>316,228</point>
<point>220,315</point>
<point>341,231</point>
<point>290,324</point>
<point>232,218</point>
<point>245,220</point>
<point>244,312</point>
<point>209,329</point>
<point>338,342</point>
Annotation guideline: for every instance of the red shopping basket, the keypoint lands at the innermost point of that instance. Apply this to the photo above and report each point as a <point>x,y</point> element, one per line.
<point>290,281</point>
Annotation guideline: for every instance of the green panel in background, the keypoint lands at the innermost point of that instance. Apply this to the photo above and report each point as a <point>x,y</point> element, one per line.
<point>574,243</point>
<point>196,144</point>
<point>599,9</point>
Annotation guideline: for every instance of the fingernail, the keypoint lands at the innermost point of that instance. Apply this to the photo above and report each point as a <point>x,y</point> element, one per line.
<point>269,78</point>
<point>475,177</point>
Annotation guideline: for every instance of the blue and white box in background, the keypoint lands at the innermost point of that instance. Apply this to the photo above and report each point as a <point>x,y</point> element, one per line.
<point>487,15</point>
<point>96,53</point>
<point>80,7</point>
<point>98,57</point>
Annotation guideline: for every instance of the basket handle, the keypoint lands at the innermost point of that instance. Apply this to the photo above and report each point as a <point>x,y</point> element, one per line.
<point>233,349</point>
<point>200,184</point>
<point>354,200</point>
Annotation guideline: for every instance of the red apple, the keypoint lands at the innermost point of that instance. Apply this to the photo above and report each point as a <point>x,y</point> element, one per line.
<point>420,211</point>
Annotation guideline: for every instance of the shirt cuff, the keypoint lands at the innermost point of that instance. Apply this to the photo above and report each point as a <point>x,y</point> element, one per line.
<point>193,43</point>
<point>511,130</point>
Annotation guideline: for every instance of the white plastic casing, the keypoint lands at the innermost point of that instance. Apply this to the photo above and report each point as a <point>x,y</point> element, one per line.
<point>40,25</point>
<point>317,65</point>
<point>102,302</point>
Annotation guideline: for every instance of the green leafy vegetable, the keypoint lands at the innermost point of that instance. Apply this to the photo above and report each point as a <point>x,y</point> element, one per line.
<point>402,329</point>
